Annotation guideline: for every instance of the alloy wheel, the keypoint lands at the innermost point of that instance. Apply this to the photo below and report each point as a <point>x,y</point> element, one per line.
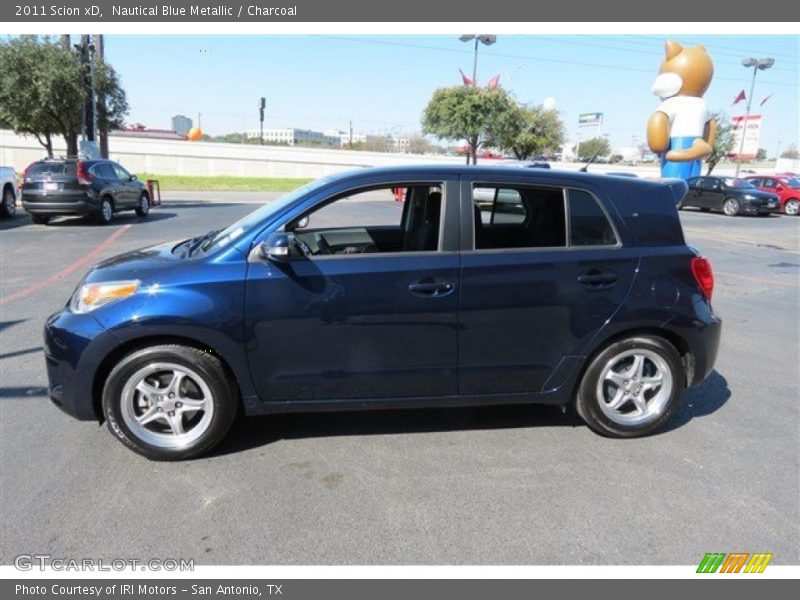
<point>792,207</point>
<point>167,405</point>
<point>634,387</point>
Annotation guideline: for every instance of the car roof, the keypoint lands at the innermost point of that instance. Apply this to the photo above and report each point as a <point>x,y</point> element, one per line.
<point>540,175</point>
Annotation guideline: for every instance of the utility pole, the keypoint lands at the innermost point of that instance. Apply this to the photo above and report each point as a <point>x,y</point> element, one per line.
<point>351,135</point>
<point>262,106</point>
<point>99,46</point>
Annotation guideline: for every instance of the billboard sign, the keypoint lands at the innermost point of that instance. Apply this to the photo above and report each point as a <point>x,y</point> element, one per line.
<point>751,130</point>
<point>586,119</point>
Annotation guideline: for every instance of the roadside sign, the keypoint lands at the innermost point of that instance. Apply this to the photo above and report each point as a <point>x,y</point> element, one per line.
<point>586,119</point>
<point>752,135</point>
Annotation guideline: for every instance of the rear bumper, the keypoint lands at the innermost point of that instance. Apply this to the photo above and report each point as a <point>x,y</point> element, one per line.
<point>71,205</point>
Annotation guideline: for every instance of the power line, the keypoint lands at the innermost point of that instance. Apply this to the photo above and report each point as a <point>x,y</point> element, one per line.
<point>522,57</point>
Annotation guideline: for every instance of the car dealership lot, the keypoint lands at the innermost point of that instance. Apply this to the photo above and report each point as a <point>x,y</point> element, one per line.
<point>518,485</point>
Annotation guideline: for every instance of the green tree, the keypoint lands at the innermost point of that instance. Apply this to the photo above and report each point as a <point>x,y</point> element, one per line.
<point>761,154</point>
<point>791,152</point>
<point>530,131</point>
<point>474,114</point>
<point>723,142</point>
<point>43,92</point>
<point>598,146</point>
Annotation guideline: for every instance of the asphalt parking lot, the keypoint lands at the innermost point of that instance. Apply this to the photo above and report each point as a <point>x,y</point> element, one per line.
<point>510,485</point>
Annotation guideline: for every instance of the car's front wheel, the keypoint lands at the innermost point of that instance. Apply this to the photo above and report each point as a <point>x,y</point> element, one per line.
<point>143,207</point>
<point>731,207</point>
<point>169,402</point>
<point>8,203</point>
<point>632,387</point>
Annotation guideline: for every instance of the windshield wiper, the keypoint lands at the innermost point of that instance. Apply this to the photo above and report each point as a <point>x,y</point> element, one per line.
<point>198,242</point>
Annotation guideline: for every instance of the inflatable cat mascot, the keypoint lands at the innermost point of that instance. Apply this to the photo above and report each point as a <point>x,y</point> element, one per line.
<point>680,131</point>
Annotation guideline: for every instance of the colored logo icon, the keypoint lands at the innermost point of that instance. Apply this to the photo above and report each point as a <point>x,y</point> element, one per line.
<point>735,562</point>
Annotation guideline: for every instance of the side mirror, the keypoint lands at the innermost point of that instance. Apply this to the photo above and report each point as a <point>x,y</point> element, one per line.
<point>132,178</point>
<point>276,247</point>
<point>779,187</point>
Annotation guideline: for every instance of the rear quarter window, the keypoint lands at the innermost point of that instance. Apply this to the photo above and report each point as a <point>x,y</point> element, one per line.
<point>588,223</point>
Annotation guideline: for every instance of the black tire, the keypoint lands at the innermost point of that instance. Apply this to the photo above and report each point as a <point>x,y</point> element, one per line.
<point>8,203</point>
<point>587,402</point>
<point>143,207</point>
<point>105,211</point>
<point>792,207</point>
<point>40,219</point>
<point>202,366</point>
<point>731,207</point>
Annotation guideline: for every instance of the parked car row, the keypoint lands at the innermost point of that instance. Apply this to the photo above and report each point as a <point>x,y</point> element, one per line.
<point>72,186</point>
<point>756,195</point>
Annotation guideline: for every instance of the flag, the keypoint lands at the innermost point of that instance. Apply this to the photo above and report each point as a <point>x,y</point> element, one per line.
<point>467,81</point>
<point>764,101</point>
<point>493,82</point>
<point>739,98</point>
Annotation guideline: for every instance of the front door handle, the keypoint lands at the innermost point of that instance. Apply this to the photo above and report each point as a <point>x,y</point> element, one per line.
<point>431,288</point>
<point>597,279</point>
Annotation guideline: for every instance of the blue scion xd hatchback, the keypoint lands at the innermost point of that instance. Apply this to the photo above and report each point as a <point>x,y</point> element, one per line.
<point>483,286</point>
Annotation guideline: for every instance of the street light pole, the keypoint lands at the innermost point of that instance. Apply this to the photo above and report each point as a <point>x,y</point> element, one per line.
<point>758,64</point>
<point>486,40</point>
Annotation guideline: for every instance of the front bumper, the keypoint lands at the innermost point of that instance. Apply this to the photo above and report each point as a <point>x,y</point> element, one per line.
<point>761,206</point>
<point>74,348</point>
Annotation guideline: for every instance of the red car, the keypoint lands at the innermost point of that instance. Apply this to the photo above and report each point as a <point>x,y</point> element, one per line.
<point>785,187</point>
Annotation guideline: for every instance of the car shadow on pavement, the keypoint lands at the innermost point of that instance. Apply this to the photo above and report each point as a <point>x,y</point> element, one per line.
<point>119,219</point>
<point>18,220</point>
<point>252,432</point>
<point>700,401</point>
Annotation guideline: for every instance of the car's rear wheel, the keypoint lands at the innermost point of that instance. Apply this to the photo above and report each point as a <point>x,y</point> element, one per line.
<point>105,213</point>
<point>731,207</point>
<point>143,208</point>
<point>8,203</point>
<point>792,207</point>
<point>40,219</point>
<point>632,387</point>
<point>169,402</point>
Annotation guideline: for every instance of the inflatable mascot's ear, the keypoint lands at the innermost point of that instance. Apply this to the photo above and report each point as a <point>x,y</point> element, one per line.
<point>680,130</point>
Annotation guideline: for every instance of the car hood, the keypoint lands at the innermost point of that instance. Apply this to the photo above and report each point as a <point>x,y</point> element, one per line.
<point>140,264</point>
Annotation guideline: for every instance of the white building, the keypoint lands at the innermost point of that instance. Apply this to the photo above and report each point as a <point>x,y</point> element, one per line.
<point>345,138</point>
<point>401,144</point>
<point>291,136</point>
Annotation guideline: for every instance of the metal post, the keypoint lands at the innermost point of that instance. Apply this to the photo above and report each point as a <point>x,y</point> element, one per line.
<point>744,122</point>
<point>475,65</point>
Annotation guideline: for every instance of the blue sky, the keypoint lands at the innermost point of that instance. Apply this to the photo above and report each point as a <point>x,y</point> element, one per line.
<point>382,83</point>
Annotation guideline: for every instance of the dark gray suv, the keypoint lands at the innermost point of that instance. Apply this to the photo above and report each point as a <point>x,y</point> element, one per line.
<point>71,186</point>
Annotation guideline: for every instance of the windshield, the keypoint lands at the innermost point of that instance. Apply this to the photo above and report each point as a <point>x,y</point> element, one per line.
<point>735,182</point>
<point>243,225</point>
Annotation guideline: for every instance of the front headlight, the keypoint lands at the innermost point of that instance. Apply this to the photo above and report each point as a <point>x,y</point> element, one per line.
<point>749,197</point>
<point>90,296</point>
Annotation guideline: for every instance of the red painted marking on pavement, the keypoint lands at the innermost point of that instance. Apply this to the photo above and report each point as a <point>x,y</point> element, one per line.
<point>32,289</point>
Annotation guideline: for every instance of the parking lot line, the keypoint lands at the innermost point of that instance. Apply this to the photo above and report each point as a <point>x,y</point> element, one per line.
<point>78,264</point>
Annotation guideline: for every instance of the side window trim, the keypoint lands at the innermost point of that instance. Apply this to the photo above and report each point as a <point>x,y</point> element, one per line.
<point>468,186</point>
<point>448,198</point>
<point>609,220</point>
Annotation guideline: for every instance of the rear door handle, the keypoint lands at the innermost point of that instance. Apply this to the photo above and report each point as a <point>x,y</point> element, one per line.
<point>431,288</point>
<point>597,279</point>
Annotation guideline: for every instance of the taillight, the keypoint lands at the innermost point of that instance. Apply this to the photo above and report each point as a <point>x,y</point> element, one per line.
<point>704,275</point>
<point>25,174</point>
<point>84,177</point>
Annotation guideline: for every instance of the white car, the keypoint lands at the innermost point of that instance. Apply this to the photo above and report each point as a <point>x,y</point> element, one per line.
<point>8,185</point>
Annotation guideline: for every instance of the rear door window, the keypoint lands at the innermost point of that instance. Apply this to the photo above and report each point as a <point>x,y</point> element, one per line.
<point>588,222</point>
<point>511,216</point>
